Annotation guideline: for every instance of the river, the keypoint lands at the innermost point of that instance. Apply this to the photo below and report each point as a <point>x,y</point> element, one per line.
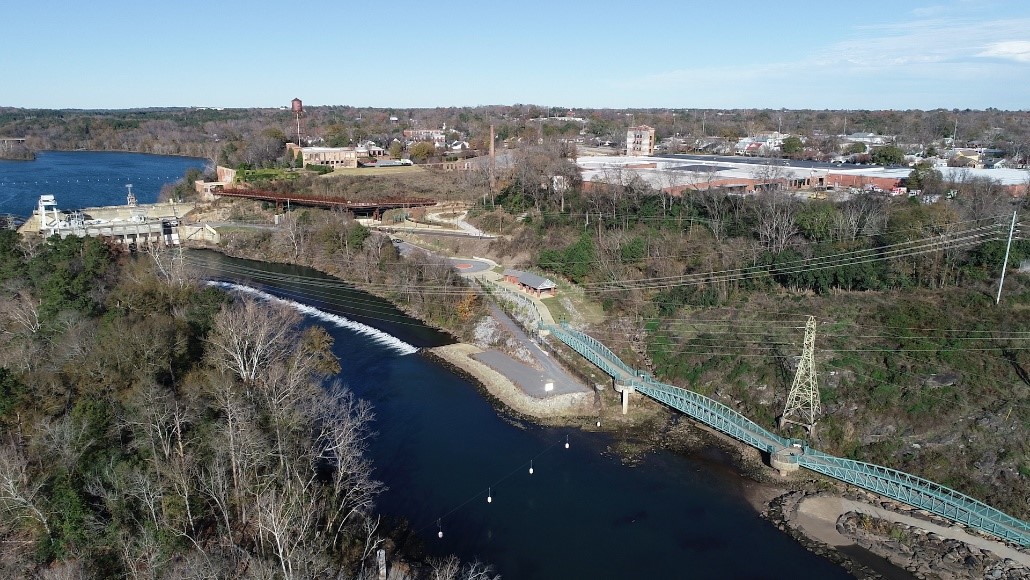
<point>582,513</point>
<point>441,447</point>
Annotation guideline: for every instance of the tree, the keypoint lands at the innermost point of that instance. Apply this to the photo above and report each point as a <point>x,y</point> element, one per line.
<point>775,222</point>
<point>855,148</point>
<point>888,155</point>
<point>925,178</point>
<point>249,336</point>
<point>792,146</point>
<point>422,150</point>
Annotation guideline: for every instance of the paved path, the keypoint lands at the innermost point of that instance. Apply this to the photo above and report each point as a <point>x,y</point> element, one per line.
<point>531,380</point>
<point>459,221</point>
<point>818,517</point>
<point>462,265</point>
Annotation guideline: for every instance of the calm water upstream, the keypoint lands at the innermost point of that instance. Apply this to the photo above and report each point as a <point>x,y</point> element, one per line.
<point>440,445</point>
<point>87,178</point>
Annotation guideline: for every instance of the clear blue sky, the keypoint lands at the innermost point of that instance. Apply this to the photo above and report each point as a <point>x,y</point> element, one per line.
<point>869,54</point>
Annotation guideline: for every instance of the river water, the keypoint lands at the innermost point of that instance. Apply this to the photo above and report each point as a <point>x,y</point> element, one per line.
<point>441,447</point>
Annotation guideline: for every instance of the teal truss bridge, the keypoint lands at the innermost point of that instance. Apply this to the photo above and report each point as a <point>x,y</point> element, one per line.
<point>787,455</point>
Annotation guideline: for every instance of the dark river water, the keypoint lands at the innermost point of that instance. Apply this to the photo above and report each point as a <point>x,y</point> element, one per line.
<point>441,447</point>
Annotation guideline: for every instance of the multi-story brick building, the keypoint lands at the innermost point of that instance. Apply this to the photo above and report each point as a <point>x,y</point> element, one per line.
<point>640,141</point>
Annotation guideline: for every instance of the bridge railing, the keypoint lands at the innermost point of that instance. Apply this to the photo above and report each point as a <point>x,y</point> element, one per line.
<point>572,338</point>
<point>712,413</point>
<point>598,348</point>
<point>898,485</point>
<point>918,492</point>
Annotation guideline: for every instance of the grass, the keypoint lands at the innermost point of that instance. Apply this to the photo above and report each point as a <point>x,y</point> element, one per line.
<point>556,308</point>
<point>374,171</point>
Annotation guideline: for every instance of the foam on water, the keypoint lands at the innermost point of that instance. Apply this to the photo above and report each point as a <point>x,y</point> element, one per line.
<point>377,336</point>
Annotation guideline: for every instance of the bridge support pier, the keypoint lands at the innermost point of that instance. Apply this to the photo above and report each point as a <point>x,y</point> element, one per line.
<point>625,390</point>
<point>785,460</point>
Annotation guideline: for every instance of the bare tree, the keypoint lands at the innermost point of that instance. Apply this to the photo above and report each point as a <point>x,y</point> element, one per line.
<point>22,310</point>
<point>19,492</point>
<point>775,215</point>
<point>249,336</point>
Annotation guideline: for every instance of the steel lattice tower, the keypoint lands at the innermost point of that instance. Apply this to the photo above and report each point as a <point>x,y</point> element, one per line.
<point>803,399</point>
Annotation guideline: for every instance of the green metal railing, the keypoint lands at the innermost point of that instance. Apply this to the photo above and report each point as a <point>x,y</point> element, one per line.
<point>891,483</point>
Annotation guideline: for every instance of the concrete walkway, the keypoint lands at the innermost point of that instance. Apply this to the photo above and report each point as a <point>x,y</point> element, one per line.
<point>818,517</point>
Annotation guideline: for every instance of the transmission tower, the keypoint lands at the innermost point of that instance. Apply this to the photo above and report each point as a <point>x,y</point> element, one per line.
<point>803,399</point>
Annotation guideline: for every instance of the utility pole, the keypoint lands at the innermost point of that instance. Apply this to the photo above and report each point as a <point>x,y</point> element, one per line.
<point>803,399</point>
<point>1005,263</point>
<point>493,168</point>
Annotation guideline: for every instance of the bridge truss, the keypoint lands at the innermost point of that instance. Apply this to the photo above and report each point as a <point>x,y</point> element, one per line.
<point>897,485</point>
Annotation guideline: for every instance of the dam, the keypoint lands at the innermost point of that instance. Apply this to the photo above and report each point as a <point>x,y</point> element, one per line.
<point>131,225</point>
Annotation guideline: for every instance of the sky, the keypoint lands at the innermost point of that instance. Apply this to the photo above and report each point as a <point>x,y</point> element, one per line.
<point>795,54</point>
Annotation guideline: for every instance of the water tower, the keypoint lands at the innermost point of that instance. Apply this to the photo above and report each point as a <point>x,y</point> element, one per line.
<point>298,107</point>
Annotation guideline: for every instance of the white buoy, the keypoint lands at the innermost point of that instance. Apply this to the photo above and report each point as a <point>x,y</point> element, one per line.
<point>439,533</point>
<point>489,495</point>
<point>566,441</point>
<point>531,468</point>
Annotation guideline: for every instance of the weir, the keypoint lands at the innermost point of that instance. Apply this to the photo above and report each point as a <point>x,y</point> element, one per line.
<point>374,334</point>
<point>788,455</point>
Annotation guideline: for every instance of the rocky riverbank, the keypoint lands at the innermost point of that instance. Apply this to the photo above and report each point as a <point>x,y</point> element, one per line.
<point>877,538</point>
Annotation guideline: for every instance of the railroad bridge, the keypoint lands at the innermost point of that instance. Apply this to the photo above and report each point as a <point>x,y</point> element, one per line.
<point>373,209</point>
<point>789,454</point>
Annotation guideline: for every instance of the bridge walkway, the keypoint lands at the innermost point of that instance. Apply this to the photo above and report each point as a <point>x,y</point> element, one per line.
<point>891,483</point>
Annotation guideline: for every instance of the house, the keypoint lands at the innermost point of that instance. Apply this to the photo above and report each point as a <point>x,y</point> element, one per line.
<point>965,158</point>
<point>370,149</point>
<point>868,139</point>
<point>761,144</point>
<point>437,137</point>
<point>531,283</point>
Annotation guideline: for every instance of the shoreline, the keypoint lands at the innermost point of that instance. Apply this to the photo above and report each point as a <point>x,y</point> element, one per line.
<point>180,155</point>
<point>458,357</point>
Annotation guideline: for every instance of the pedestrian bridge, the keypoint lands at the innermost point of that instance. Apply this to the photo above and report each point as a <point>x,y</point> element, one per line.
<point>788,454</point>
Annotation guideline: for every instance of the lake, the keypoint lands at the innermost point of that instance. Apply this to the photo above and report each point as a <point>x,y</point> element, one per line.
<point>88,178</point>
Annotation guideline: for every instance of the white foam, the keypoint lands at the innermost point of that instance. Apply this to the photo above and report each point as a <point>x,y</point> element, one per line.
<point>377,336</point>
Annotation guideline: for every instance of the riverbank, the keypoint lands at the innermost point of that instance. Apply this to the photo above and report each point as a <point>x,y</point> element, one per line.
<point>459,356</point>
<point>880,538</point>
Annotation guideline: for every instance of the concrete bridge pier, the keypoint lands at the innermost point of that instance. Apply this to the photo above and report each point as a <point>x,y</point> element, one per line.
<point>785,459</point>
<point>625,390</point>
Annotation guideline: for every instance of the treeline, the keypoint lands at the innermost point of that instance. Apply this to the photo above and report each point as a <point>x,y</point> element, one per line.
<point>255,137</point>
<point>621,231</point>
<point>154,427</point>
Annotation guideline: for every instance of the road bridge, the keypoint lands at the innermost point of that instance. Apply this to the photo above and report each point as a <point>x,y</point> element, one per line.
<point>788,454</point>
